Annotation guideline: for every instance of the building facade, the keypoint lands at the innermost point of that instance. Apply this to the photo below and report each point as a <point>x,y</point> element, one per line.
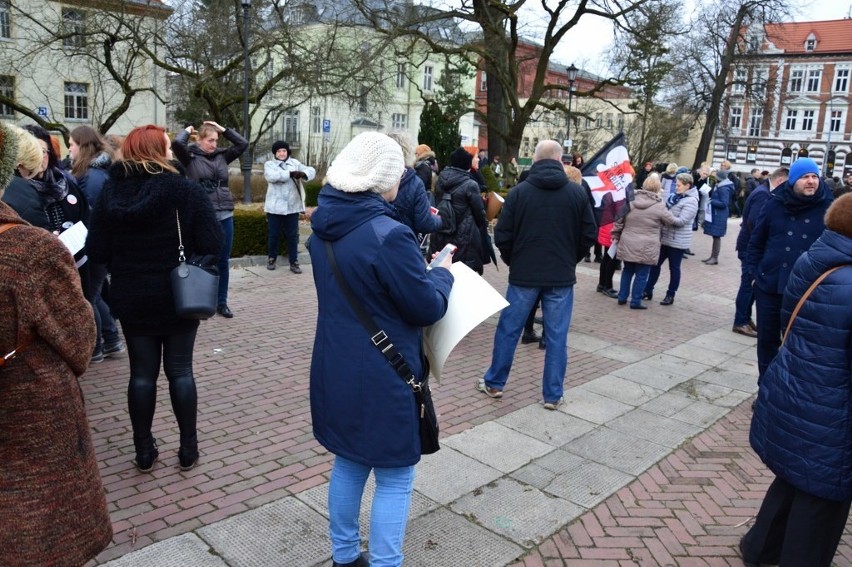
<point>788,96</point>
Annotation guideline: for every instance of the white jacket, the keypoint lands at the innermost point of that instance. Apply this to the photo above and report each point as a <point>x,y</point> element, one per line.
<point>284,195</point>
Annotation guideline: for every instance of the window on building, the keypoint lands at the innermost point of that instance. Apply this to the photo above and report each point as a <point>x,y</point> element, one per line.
<point>7,89</point>
<point>599,119</point>
<point>754,121</point>
<point>292,130</point>
<point>797,77</point>
<point>814,76</point>
<point>609,120</point>
<point>841,80</point>
<point>76,101</point>
<point>808,120</point>
<point>74,26</point>
<point>316,120</point>
<point>588,122</point>
<point>428,75</point>
<point>835,121</point>
<point>810,44</point>
<point>483,81</point>
<point>399,121</point>
<point>620,122</point>
<point>740,80</point>
<point>791,119</point>
<point>5,19</point>
<point>759,80</point>
<point>362,100</point>
<point>400,75</point>
<point>736,118</point>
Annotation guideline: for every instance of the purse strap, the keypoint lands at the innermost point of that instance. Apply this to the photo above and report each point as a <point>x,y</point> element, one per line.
<point>377,336</point>
<point>181,256</point>
<point>17,350</point>
<point>805,296</point>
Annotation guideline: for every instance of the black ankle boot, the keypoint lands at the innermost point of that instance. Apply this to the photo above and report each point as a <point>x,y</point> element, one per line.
<point>667,300</point>
<point>146,453</point>
<point>188,453</point>
<point>360,562</point>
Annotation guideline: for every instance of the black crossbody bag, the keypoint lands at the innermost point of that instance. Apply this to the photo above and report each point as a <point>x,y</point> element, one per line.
<point>428,419</point>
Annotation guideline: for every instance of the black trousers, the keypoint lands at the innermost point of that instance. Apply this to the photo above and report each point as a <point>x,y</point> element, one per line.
<point>145,353</point>
<point>794,528</point>
<point>607,271</point>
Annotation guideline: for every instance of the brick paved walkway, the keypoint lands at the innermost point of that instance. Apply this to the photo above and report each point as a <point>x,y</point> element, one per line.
<point>257,446</point>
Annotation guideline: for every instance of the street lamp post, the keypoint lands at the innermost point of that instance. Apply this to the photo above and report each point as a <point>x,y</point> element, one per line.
<point>246,163</point>
<point>572,76</point>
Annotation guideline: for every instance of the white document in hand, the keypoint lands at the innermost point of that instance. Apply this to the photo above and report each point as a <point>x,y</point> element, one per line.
<point>75,237</point>
<point>472,301</point>
<point>613,249</point>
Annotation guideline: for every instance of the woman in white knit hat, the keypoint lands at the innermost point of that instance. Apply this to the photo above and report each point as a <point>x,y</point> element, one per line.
<point>362,411</point>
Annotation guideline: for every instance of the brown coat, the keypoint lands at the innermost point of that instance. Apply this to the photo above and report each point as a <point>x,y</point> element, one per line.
<point>639,233</point>
<point>52,501</point>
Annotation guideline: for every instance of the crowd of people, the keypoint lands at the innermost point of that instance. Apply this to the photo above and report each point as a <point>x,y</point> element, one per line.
<point>385,204</point>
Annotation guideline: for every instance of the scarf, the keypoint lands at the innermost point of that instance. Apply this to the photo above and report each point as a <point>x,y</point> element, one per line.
<point>673,199</point>
<point>52,185</point>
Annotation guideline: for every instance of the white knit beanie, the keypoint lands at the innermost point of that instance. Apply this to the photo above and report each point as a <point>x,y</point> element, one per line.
<point>370,162</point>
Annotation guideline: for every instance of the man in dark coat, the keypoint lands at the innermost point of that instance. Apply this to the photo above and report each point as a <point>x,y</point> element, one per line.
<point>545,228</point>
<point>789,223</point>
<point>743,323</point>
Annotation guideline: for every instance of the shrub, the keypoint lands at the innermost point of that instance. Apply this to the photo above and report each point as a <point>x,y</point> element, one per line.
<point>250,232</point>
<point>490,178</point>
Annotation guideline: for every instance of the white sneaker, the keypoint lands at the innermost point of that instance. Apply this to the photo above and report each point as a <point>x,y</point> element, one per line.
<point>490,392</point>
<point>553,405</point>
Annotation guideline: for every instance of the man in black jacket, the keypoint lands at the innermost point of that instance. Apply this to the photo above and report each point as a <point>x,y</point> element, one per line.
<point>545,228</point>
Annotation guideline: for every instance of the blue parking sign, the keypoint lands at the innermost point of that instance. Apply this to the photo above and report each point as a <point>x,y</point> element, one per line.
<point>326,126</point>
<point>42,111</point>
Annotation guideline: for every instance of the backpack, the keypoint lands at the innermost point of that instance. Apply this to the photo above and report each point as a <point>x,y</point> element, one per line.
<point>447,214</point>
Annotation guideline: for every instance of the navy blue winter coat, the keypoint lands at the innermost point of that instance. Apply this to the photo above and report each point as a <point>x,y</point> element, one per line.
<point>802,424</point>
<point>787,227</point>
<point>361,409</point>
<point>751,212</point>
<point>720,196</point>
<point>413,206</point>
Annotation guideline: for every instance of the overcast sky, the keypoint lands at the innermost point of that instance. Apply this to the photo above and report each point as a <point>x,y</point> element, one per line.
<point>587,43</point>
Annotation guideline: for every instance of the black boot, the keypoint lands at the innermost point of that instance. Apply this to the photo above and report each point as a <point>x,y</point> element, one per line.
<point>188,453</point>
<point>667,300</point>
<point>529,336</point>
<point>360,562</point>
<point>146,453</point>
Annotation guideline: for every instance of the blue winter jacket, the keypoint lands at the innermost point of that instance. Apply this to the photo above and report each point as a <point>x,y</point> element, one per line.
<point>802,424</point>
<point>720,196</point>
<point>361,409</point>
<point>787,227</point>
<point>413,206</point>
<point>751,212</point>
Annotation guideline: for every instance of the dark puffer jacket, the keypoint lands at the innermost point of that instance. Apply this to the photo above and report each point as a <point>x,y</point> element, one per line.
<point>720,196</point>
<point>134,232</point>
<point>802,424</point>
<point>788,225</point>
<point>211,170</point>
<point>360,408</point>
<point>470,218</point>
<point>412,204</point>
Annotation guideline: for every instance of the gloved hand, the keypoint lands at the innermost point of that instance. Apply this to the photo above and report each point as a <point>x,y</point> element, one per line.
<point>298,175</point>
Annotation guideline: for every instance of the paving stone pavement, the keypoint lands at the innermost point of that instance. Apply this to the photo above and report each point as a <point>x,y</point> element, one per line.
<point>647,462</point>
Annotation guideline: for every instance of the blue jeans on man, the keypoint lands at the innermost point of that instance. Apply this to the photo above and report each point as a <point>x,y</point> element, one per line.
<point>745,297</point>
<point>638,274</point>
<point>768,327</point>
<point>557,304</point>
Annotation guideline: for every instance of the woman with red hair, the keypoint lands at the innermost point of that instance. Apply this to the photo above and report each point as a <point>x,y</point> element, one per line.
<point>134,231</point>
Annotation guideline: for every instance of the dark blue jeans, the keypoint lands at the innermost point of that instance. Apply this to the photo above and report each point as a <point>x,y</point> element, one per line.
<point>289,224</point>
<point>675,257</point>
<point>745,298</point>
<point>768,327</point>
<point>225,259</point>
<point>628,271</point>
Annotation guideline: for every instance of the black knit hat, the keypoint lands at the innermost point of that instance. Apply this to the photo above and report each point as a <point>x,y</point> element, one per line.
<point>280,145</point>
<point>461,159</point>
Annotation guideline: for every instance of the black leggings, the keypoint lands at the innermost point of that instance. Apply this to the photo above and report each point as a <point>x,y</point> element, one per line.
<point>145,353</point>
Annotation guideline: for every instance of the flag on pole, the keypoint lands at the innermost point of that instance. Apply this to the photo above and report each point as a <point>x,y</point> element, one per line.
<point>609,171</point>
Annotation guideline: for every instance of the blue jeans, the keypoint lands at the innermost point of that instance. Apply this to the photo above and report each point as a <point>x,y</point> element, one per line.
<point>557,304</point>
<point>289,224</point>
<point>388,516</point>
<point>628,270</point>
<point>675,257</point>
<point>225,259</point>
<point>745,298</point>
<point>768,327</point>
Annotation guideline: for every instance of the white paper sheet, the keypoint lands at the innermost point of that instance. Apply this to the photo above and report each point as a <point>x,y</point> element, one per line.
<point>75,237</point>
<point>472,301</point>
<point>708,211</point>
<point>612,250</point>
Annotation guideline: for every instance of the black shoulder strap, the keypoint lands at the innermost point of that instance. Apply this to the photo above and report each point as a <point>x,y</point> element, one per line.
<point>377,336</point>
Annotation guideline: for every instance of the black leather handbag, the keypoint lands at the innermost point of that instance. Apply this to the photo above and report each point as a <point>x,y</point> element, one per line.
<point>422,394</point>
<point>195,285</point>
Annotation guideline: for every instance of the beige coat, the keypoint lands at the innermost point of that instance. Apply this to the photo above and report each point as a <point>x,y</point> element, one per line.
<point>638,233</point>
<point>52,501</point>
